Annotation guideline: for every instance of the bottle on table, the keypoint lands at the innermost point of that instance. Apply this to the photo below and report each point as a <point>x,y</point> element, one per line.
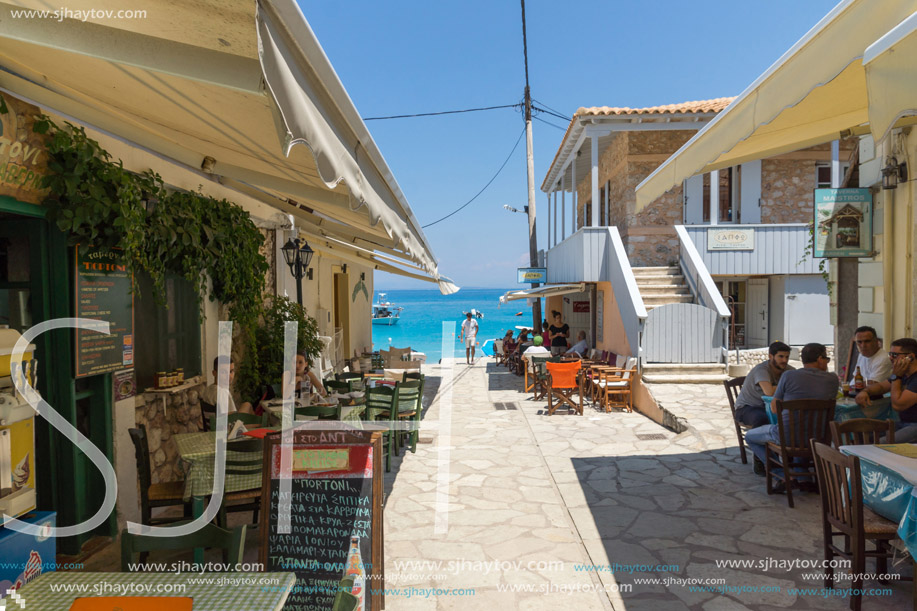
<point>354,568</point>
<point>858,382</point>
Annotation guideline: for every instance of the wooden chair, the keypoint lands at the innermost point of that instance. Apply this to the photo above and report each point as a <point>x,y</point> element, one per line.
<point>243,457</point>
<point>322,412</point>
<point>733,387</point>
<point>564,383</point>
<point>232,542</point>
<point>862,431</point>
<point>616,385</point>
<point>338,386</point>
<point>380,402</point>
<point>499,355</point>
<point>409,406</point>
<point>540,380</point>
<point>843,513</point>
<point>797,423</point>
<point>165,494</point>
<point>207,410</point>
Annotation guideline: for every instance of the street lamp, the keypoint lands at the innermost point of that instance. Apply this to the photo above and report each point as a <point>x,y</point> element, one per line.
<point>298,255</point>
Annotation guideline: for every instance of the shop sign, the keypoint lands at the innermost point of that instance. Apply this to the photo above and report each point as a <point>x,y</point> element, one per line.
<point>103,292</point>
<point>843,223</point>
<point>581,307</point>
<point>532,275</point>
<point>730,239</point>
<point>23,155</point>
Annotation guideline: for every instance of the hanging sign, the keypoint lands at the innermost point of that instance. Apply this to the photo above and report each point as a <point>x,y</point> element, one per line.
<point>843,223</point>
<point>532,275</point>
<point>23,157</point>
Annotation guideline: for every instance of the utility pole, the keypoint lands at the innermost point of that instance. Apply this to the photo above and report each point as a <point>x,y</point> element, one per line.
<point>530,162</point>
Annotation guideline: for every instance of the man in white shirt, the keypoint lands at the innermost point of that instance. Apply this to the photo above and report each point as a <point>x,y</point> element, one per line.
<point>580,347</point>
<point>535,348</point>
<point>468,335</point>
<point>873,361</point>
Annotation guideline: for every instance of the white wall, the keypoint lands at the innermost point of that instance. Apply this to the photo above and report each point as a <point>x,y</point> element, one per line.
<point>776,329</point>
<point>808,311</point>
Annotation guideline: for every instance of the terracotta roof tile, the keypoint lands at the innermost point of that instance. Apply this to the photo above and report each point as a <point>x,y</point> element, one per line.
<point>714,105</point>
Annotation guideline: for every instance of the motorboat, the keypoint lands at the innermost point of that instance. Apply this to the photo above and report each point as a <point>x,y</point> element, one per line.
<point>475,313</point>
<point>385,312</point>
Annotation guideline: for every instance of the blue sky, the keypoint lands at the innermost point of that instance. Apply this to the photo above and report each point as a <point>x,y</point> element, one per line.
<point>397,57</point>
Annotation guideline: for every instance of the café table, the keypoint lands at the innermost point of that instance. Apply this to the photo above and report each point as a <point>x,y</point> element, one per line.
<point>890,486</point>
<point>263,591</point>
<point>847,409</point>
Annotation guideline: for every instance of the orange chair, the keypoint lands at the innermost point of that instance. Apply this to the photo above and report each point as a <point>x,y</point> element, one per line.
<point>564,382</point>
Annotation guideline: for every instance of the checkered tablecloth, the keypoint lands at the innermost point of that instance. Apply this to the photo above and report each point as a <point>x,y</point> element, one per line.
<point>261,591</point>
<point>198,450</point>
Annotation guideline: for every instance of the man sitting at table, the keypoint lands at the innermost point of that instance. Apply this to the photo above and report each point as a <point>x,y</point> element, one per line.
<point>761,380</point>
<point>813,381</point>
<point>536,348</point>
<point>873,361</point>
<point>903,387</point>
<point>210,393</point>
<point>580,348</point>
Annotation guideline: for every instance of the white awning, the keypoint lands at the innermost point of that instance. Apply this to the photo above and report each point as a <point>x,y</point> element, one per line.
<point>543,291</point>
<point>817,92</point>
<point>230,87</point>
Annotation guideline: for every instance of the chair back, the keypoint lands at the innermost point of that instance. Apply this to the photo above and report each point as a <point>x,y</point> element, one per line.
<point>733,387</point>
<point>322,412</point>
<point>630,363</point>
<point>862,431</point>
<point>244,456</point>
<point>245,418</point>
<point>338,386</point>
<point>537,364</point>
<point>498,346</point>
<point>408,395</point>
<point>563,375</point>
<point>381,399</point>
<point>348,375</point>
<point>207,410</point>
<point>142,452</point>
<point>840,487</point>
<point>208,536</point>
<point>801,420</point>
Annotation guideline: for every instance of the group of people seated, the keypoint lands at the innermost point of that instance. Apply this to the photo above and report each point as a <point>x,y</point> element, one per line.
<point>552,340</point>
<point>893,372</point>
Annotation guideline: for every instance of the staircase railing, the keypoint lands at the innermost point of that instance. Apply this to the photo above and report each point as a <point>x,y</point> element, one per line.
<point>627,293</point>
<point>701,284</point>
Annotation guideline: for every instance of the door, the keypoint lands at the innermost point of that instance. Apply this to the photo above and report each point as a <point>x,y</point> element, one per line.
<point>756,313</point>
<point>750,192</point>
<point>694,200</point>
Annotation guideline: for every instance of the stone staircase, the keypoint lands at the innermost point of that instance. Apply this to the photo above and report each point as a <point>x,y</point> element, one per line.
<point>684,373</point>
<point>662,285</point>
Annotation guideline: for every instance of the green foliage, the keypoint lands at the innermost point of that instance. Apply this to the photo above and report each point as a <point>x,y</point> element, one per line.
<point>822,263</point>
<point>263,361</point>
<point>96,201</point>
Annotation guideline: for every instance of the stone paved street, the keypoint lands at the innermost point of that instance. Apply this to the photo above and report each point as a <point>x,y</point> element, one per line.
<point>565,493</point>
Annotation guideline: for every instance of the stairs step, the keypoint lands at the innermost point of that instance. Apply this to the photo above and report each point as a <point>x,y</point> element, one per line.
<point>667,298</point>
<point>670,270</point>
<point>659,279</point>
<point>663,289</point>
<point>684,368</point>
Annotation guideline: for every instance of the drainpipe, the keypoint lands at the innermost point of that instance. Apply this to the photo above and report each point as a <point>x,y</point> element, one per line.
<point>888,266</point>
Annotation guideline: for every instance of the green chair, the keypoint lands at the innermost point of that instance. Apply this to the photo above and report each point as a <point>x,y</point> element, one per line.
<point>344,600</point>
<point>246,419</point>
<point>322,412</point>
<point>338,386</point>
<point>243,457</point>
<point>353,379</point>
<point>232,542</point>
<point>152,495</point>
<point>407,399</point>
<point>541,380</point>
<point>379,404</point>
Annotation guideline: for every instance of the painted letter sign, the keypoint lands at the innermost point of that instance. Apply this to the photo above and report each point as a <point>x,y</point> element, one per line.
<point>730,239</point>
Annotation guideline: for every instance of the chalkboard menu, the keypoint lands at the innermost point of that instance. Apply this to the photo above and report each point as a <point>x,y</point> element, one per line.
<point>336,516</point>
<point>103,292</point>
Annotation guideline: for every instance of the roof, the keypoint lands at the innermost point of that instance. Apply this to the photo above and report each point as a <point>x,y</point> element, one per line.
<point>623,113</point>
<point>704,106</point>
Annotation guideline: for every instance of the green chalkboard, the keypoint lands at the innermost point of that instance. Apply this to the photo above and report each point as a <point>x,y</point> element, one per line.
<point>103,292</point>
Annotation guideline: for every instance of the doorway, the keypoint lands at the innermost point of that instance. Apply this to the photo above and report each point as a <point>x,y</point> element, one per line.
<point>757,310</point>
<point>342,313</point>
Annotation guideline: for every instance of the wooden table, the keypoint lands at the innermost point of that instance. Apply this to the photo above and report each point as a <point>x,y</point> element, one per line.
<point>262,591</point>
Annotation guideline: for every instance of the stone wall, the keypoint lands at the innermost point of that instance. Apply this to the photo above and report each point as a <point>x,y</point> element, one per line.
<point>786,190</point>
<point>182,415</point>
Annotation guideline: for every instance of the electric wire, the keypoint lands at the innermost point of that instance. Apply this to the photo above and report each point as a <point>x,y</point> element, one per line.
<point>518,140</point>
<point>563,129</point>
<point>552,113</point>
<point>549,108</point>
<point>443,112</point>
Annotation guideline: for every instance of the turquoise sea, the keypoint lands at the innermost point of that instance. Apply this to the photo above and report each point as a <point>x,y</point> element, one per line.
<point>424,311</point>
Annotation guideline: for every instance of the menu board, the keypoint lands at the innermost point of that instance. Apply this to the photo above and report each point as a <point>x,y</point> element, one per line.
<point>103,292</point>
<point>335,516</point>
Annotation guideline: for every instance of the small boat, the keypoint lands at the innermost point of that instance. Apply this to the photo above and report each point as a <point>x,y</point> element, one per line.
<point>385,312</point>
<point>474,313</point>
<point>518,313</point>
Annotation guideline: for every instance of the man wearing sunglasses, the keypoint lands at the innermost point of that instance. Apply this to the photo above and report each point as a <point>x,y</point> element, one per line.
<point>903,387</point>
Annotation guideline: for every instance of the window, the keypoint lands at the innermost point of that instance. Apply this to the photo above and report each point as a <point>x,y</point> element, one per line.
<point>734,294</point>
<point>823,174</point>
<point>168,335</point>
<point>729,186</point>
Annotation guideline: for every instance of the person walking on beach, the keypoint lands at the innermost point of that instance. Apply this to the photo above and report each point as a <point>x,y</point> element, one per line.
<point>469,334</point>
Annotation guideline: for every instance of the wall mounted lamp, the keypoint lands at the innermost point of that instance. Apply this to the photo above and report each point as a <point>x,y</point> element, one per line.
<point>893,173</point>
<point>298,255</point>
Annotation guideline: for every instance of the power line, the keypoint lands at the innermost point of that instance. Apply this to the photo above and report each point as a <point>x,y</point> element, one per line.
<point>519,139</point>
<point>549,108</point>
<point>563,129</point>
<point>444,112</point>
<point>552,113</point>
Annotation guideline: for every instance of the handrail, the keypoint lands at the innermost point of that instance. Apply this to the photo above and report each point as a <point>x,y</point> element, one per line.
<point>699,279</point>
<point>627,294</point>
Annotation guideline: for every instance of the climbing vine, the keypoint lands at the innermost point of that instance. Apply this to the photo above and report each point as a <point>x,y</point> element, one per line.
<point>151,228</point>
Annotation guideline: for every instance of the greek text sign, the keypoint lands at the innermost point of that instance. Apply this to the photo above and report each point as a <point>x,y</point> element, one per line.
<point>843,222</point>
<point>730,239</point>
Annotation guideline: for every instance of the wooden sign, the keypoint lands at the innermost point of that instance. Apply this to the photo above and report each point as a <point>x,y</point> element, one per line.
<point>336,515</point>
<point>23,156</point>
<point>103,292</point>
